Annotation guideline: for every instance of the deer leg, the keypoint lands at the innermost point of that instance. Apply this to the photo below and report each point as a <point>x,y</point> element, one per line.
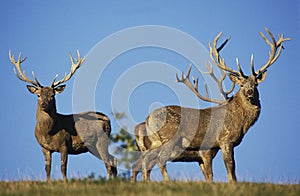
<point>169,151</point>
<point>148,162</point>
<point>136,168</point>
<point>146,175</point>
<point>114,167</point>
<point>145,172</point>
<point>162,162</point>
<point>110,161</point>
<point>64,161</point>
<point>109,171</point>
<point>102,148</point>
<point>163,170</point>
<point>228,158</point>
<point>201,165</point>
<point>48,159</point>
<point>206,167</point>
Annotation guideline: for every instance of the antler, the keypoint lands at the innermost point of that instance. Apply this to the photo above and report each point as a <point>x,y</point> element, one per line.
<point>216,58</point>
<point>219,81</point>
<point>74,67</point>
<point>194,88</point>
<point>21,74</point>
<point>276,48</point>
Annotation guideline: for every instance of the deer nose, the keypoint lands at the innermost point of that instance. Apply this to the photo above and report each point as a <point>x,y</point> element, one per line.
<point>44,105</point>
<point>250,91</point>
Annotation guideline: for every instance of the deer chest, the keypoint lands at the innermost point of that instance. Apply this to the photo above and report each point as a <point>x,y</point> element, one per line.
<point>51,142</point>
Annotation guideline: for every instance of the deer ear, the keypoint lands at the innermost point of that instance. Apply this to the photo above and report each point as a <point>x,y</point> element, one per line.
<point>261,77</point>
<point>59,89</point>
<point>234,78</point>
<point>32,89</point>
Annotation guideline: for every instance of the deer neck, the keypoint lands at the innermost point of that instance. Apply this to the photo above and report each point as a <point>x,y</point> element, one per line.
<point>46,120</point>
<point>249,109</point>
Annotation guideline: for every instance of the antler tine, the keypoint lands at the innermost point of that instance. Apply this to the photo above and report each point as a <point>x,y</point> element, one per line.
<point>252,66</point>
<point>223,44</point>
<point>74,67</point>
<point>19,58</point>
<point>35,79</point>
<point>205,88</point>
<point>239,68</point>
<point>55,77</point>
<point>219,81</point>
<point>216,58</point>
<point>196,82</point>
<point>182,75</point>
<point>276,48</point>
<point>186,80</point>
<point>18,70</point>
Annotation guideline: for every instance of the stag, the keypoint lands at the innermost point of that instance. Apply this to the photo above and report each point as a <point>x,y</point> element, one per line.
<point>144,141</point>
<point>67,134</point>
<point>176,133</point>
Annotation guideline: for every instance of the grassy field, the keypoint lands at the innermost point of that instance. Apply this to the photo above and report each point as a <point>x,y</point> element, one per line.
<point>121,187</point>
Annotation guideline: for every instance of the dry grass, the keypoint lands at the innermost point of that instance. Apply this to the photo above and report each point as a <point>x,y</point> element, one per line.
<point>122,187</point>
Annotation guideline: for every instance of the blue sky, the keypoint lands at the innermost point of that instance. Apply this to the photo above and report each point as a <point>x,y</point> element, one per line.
<point>45,31</point>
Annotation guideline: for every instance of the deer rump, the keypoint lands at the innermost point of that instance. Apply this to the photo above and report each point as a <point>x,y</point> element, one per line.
<point>89,128</point>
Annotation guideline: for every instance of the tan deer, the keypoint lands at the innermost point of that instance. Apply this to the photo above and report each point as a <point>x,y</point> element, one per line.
<point>177,133</point>
<point>143,141</point>
<point>66,134</point>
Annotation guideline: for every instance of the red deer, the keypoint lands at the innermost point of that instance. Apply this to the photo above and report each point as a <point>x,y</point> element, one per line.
<point>66,134</point>
<point>177,133</point>
<point>144,143</point>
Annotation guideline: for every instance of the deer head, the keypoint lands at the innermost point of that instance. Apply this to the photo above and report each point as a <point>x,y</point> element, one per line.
<point>46,99</point>
<point>248,84</point>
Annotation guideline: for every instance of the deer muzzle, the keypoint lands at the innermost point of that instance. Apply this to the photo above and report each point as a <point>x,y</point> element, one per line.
<point>44,105</point>
<point>250,92</point>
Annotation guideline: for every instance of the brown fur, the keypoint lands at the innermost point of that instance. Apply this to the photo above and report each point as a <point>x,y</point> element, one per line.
<point>183,131</point>
<point>70,134</point>
<point>144,143</point>
<point>66,134</point>
<point>175,133</point>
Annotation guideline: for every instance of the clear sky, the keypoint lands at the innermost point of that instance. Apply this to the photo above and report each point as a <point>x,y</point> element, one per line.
<point>45,31</point>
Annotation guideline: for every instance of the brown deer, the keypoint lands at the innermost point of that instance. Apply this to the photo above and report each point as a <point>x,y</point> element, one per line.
<point>144,141</point>
<point>176,133</point>
<point>66,134</point>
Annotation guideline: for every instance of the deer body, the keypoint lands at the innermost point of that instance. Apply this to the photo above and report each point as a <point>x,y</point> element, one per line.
<point>58,131</point>
<point>144,143</point>
<point>74,134</point>
<point>63,130</point>
<point>238,117</point>
<point>216,128</point>
<point>175,133</point>
<point>67,134</point>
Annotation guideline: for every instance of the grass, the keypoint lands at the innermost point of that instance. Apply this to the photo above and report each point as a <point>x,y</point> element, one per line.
<point>123,187</point>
